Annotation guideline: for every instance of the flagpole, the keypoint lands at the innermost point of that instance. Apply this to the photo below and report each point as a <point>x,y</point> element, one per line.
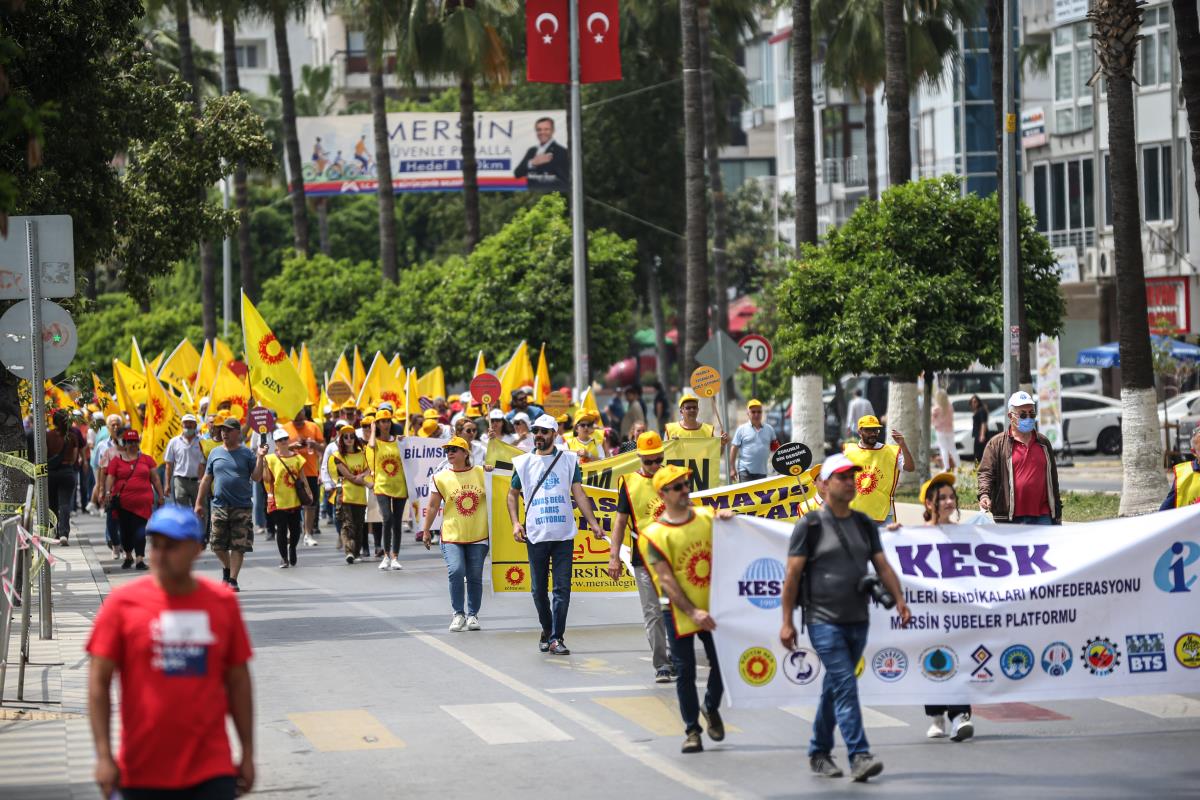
<point>578,242</point>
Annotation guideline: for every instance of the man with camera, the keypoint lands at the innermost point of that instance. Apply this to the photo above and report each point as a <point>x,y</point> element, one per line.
<point>837,542</point>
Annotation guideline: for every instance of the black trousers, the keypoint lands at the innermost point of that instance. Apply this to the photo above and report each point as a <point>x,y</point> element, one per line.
<point>950,711</point>
<point>224,788</point>
<point>287,524</point>
<point>133,532</point>
<point>61,491</point>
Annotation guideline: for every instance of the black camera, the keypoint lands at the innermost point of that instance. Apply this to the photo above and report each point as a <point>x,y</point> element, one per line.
<point>870,584</point>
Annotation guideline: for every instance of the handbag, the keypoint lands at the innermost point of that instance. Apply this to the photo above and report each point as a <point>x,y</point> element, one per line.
<point>303,493</point>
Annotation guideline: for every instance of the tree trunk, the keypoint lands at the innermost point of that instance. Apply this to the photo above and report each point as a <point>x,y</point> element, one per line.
<point>804,139</point>
<point>895,90</point>
<point>187,61</point>
<point>287,95</point>
<point>872,144</point>
<point>902,415</point>
<point>208,288</point>
<point>470,170</point>
<point>808,414</point>
<point>1187,36</point>
<point>383,166</point>
<point>921,451</point>
<point>654,293</point>
<point>323,226</point>
<point>241,193</point>
<point>697,215</point>
<point>716,182</point>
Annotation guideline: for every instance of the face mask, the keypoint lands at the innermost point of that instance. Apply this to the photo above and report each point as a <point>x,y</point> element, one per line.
<point>189,432</point>
<point>1025,425</point>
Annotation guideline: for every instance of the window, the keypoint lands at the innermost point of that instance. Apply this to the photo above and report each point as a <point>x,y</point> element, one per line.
<point>787,150</point>
<point>1157,200</point>
<point>356,42</point>
<point>1040,210</point>
<point>1153,69</point>
<point>1064,201</point>
<point>1073,63</point>
<point>251,55</point>
<point>1107,194</point>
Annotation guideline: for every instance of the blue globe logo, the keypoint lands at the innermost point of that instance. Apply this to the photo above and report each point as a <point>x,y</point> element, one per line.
<point>762,583</point>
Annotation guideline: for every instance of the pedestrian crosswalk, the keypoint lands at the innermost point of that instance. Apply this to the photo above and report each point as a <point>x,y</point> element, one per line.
<point>871,717</point>
<point>506,723</point>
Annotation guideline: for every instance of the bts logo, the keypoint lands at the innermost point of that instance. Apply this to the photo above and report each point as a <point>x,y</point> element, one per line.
<point>1171,573</point>
<point>1147,652</point>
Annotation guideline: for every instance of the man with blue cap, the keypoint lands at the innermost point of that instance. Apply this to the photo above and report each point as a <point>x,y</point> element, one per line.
<point>181,648</point>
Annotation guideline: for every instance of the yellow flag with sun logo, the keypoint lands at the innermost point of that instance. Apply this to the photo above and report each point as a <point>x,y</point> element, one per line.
<point>274,379</point>
<point>162,421</point>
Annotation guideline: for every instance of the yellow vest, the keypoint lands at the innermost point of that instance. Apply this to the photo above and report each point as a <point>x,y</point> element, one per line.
<point>1187,485</point>
<point>589,451</point>
<point>877,480</point>
<point>676,430</point>
<point>352,493</point>
<point>464,508</point>
<point>282,483</point>
<point>688,549</point>
<point>387,469</point>
<point>207,446</point>
<point>644,502</point>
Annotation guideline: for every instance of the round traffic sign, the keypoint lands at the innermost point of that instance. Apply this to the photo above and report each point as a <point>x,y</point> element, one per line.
<point>485,389</point>
<point>757,352</point>
<point>792,458</point>
<point>706,381</point>
<point>59,340</point>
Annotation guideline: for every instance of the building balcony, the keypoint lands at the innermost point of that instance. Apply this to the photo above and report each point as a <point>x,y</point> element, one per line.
<point>849,172</point>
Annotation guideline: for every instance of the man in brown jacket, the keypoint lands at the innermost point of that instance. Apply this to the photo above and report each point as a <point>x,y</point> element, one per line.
<point>1018,479</point>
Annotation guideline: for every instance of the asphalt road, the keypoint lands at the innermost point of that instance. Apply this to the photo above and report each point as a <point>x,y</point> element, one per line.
<point>362,692</point>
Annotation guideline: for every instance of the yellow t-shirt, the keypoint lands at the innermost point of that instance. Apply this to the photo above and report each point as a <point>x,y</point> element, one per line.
<point>464,509</point>
<point>388,469</point>
<point>588,451</point>
<point>676,431</point>
<point>352,493</point>
<point>208,445</point>
<point>282,483</point>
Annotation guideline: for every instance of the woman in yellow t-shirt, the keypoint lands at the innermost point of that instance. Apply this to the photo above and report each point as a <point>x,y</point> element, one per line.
<point>391,490</point>
<point>349,463</point>
<point>585,443</point>
<point>284,469</point>
<point>464,530</point>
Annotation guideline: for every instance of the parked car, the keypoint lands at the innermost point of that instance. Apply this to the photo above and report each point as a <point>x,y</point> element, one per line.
<point>1092,422</point>
<point>978,382</point>
<point>1081,379</point>
<point>1180,406</point>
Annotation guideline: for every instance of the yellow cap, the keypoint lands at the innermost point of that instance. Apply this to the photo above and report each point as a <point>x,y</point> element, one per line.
<point>345,426</point>
<point>383,413</point>
<point>937,480</point>
<point>688,396</point>
<point>669,474</point>
<point>367,419</point>
<point>586,415</point>
<point>430,413</point>
<point>869,421</point>
<point>458,442</point>
<point>754,404</point>
<point>563,417</point>
<point>649,444</point>
<point>430,427</point>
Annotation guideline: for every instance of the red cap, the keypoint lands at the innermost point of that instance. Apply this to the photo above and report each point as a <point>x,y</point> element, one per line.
<point>131,435</point>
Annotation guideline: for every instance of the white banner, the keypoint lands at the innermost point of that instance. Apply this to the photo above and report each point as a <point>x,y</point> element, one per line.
<point>1000,613</point>
<point>426,152</point>
<point>421,457</point>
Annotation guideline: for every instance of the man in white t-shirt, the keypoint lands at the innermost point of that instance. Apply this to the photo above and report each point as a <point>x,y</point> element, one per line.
<point>549,479</point>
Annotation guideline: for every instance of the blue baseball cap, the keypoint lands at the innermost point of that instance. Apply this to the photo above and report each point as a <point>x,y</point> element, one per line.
<point>175,522</point>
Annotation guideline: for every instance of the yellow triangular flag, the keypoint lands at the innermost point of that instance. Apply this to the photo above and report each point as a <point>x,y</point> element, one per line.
<point>103,398</point>
<point>294,358</point>
<point>153,367</point>
<point>206,371</point>
<point>162,421</point>
<point>541,383</point>
<point>181,365</point>
<point>274,379</point>
<point>221,351</point>
<point>372,386</point>
<point>433,383</point>
<point>480,365</point>
<point>136,362</point>
<point>360,372</point>
<point>56,397</point>
<point>229,395</point>
<point>341,372</point>
<point>588,402</point>
<point>135,382</point>
<point>516,373</point>
<point>412,394</point>
<point>397,366</point>
<point>309,376</point>
<point>122,376</point>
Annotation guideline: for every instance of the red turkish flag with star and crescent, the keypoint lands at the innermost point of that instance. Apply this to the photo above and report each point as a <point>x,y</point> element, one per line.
<point>599,41</point>
<point>547,41</point>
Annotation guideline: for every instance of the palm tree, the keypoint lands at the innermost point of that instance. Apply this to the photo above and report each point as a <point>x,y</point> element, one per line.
<point>712,160</point>
<point>895,90</point>
<point>241,194</point>
<point>696,235</point>
<point>1187,36</point>
<point>1116,24</point>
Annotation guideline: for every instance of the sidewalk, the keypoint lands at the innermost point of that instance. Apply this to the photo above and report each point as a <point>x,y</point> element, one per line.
<point>45,740</point>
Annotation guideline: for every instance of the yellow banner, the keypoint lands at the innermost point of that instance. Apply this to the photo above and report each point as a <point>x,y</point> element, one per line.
<point>701,456</point>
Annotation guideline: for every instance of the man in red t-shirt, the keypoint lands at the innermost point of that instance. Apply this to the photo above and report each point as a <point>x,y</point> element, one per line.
<point>1018,478</point>
<point>181,649</point>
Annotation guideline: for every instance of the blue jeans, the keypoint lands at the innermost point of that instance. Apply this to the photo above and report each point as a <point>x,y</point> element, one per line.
<point>464,562</point>
<point>840,647</point>
<point>546,559</point>
<point>1041,519</point>
<point>683,657</point>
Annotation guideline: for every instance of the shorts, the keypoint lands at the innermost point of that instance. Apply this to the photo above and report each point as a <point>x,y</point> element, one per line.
<point>232,529</point>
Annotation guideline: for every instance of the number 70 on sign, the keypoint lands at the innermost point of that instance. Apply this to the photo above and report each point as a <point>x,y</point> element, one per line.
<point>756,352</point>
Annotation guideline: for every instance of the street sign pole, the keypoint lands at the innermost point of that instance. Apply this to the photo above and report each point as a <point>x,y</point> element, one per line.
<point>1009,251</point>
<point>38,393</point>
<point>578,242</point>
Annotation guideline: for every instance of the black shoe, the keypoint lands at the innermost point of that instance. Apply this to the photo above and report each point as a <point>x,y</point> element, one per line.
<point>292,557</point>
<point>224,574</point>
<point>716,726</point>
<point>270,536</point>
<point>557,648</point>
<point>233,585</point>
<point>692,743</point>
<point>142,565</point>
<point>663,676</point>
<point>863,766</point>
<point>822,764</point>
<point>544,643</point>
<point>127,563</point>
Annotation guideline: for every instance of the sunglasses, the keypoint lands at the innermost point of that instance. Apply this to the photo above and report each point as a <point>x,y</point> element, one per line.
<point>1025,414</point>
<point>649,462</point>
<point>585,424</point>
<point>468,430</point>
<point>676,487</point>
<point>452,450</point>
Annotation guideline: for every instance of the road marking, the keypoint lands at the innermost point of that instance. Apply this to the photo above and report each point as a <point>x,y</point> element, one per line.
<point>591,666</point>
<point>871,717</point>
<point>1163,706</point>
<point>630,687</point>
<point>652,713</point>
<point>1016,712</point>
<point>506,723</point>
<point>618,740</point>
<point>339,731</point>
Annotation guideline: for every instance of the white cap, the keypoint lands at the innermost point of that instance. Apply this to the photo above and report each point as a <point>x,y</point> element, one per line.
<point>496,413</point>
<point>836,463</point>
<point>545,422</point>
<point>521,416</point>
<point>280,435</point>
<point>465,398</point>
<point>97,415</point>
<point>527,390</point>
<point>1021,399</point>
<point>387,405</point>
<point>188,418</point>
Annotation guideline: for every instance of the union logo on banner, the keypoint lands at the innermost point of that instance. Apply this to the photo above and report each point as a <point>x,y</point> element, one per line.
<point>270,350</point>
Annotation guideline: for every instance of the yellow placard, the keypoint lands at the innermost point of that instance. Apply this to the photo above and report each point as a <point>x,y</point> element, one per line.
<point>706,381</point>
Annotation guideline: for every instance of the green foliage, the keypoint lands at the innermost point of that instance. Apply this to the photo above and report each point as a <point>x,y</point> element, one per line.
<point>911,283</point>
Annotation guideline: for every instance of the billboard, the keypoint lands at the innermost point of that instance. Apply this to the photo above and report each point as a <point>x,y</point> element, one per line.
<point>515,151</point>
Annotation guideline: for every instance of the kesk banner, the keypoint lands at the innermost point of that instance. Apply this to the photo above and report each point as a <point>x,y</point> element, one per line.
<point>426,150</point>
<point>999,614</point>
<point>783,497</point>
<point>421,457</point>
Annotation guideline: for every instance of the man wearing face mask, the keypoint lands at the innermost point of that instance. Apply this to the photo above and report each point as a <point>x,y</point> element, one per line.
<point>185,463</point>
<point>1018,479</point>
<point>879,467</point>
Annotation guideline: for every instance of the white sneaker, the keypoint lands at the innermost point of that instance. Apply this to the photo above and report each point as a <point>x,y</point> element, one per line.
<point>937,727</point>
<point>260,531</point>
<point>396,564</point>
<point>309,541</point>
<point>385,563</point>
<point>472,623</point>
<point>62,540</point>
<point>91,508</point>
<point>457,623</point>
<point>962,728</point>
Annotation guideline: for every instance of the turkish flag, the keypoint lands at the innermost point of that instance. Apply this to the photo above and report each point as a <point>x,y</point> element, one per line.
<point>599,41</point>
<point>547,41</point>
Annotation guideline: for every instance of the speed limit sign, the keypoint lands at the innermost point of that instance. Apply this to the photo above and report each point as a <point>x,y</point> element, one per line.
<point>756,352</point>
